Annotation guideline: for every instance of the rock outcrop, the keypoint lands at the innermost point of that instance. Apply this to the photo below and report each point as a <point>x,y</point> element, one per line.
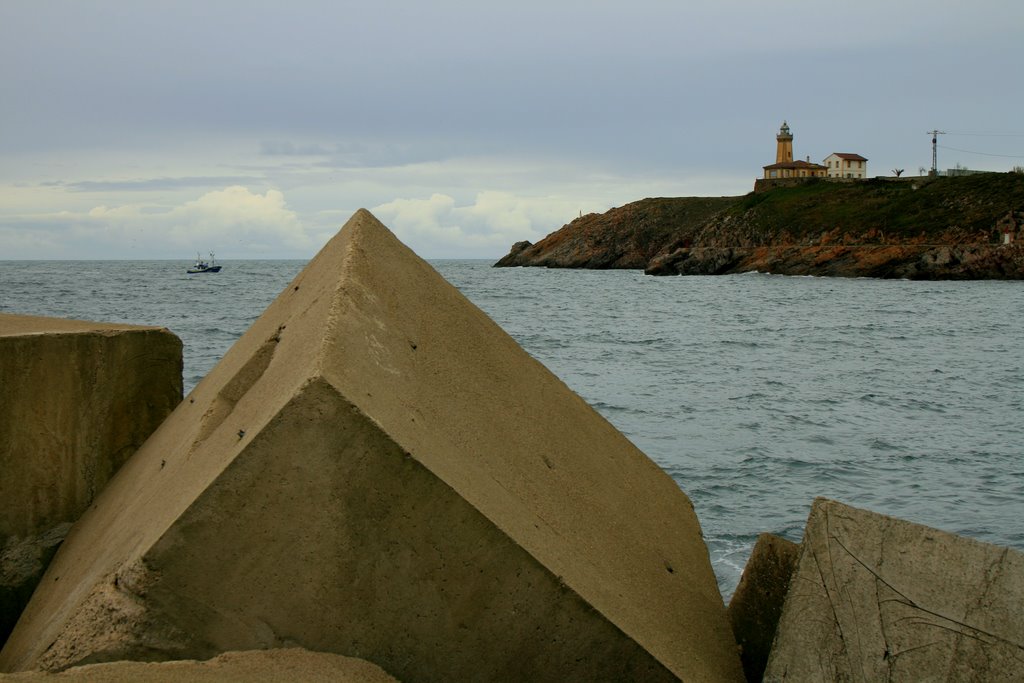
<point>912,262</point>
<point>624,237</point>
<point>376,469</point>
<point>756,606</point>
<point>78,399</point>
<point>881,599</point>
<point>941,228</point>
<point>254,666</point>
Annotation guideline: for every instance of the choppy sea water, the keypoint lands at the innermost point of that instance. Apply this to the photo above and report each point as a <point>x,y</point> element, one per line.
<point>756,393</point>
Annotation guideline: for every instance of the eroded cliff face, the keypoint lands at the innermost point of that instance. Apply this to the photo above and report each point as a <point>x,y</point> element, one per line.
<point>625,237</point>
<point>942,228</point>
<point>912,262</point>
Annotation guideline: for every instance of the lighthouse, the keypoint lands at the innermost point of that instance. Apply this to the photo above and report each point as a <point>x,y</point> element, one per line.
<point>784,166</point>
<point>784,150</point>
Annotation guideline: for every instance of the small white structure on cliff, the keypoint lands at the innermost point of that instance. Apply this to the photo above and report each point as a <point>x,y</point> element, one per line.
<point>1009,225</point>
<point>846,165</point>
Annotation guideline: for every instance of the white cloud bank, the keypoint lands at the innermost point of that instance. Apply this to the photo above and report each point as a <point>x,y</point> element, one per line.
<point>232,216</point>
<point>232,220</point>
<point>438,227</point>
<point>238,223</point>
<point>463,207</point>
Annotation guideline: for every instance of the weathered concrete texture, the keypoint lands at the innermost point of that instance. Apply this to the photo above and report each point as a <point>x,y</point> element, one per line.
<point>22,563</point>
<point>254,666</point>
<point>78,398</point>
<point>881,599</point>
<point>756,606</point>
<point>376,469</point>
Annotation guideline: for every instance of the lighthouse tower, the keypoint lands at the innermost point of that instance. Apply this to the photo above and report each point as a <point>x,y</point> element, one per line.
<point>785,167</point>
<point>784,151</point>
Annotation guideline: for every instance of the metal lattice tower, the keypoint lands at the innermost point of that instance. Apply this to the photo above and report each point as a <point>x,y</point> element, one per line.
<point>935,145</point>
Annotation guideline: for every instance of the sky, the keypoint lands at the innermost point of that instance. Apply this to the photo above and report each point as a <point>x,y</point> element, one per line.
<point>255,129</point>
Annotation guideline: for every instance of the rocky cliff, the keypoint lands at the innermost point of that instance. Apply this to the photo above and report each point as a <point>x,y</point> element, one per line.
<point>923,228</point>
<point>625,237</point>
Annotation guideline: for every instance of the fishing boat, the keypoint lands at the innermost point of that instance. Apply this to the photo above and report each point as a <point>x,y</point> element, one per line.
<point>202,266</point>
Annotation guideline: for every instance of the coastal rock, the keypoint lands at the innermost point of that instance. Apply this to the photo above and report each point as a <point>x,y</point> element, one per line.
<point>912,262</point>
<point>881,599</point>
<point>696,261</point>
<point>937,228</point>
<point>756,605</point>
<point>253,666</point>
<point>78,399</point>
<point>624,237</point>
<point>376,469</point>
<point>513,256</point>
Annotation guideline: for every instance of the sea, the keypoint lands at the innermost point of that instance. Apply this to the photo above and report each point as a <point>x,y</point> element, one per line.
<point>756,393</point>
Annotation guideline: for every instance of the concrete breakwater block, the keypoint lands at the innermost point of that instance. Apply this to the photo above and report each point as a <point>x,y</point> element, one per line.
<point>880,599</point>
<point>254,666</point>
<point>77,399</point>
<point>756,606</point>
<point>376,469</point>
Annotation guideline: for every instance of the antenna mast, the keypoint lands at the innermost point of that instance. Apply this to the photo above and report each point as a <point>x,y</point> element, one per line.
<point>935,143</point>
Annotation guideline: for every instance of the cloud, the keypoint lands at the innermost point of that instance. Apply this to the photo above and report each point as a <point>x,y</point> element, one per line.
<point>288,148</point>
<point>462,207</point>
<point>149,184</point>
<point>233,221</point>
<point>233,217</point>
<point>438,227</point>
<point>357,154</point>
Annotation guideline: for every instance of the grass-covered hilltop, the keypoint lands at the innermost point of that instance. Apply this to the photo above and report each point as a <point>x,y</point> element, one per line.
<point>960,227</point>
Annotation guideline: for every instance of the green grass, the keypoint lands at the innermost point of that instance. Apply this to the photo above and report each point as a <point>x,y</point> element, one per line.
<point>968,203</point>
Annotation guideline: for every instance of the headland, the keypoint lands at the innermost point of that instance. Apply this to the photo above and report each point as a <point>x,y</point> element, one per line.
<point>925,228</point>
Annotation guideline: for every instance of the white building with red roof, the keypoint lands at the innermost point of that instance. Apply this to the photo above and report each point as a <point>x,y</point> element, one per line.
<point>846,165</point>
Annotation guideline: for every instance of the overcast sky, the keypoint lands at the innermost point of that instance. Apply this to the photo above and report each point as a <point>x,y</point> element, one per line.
<point>156,129</point>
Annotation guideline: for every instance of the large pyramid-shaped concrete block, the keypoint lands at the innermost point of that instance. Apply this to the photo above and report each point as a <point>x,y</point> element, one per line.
<point>376,469</point>
<point>880,599</point>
